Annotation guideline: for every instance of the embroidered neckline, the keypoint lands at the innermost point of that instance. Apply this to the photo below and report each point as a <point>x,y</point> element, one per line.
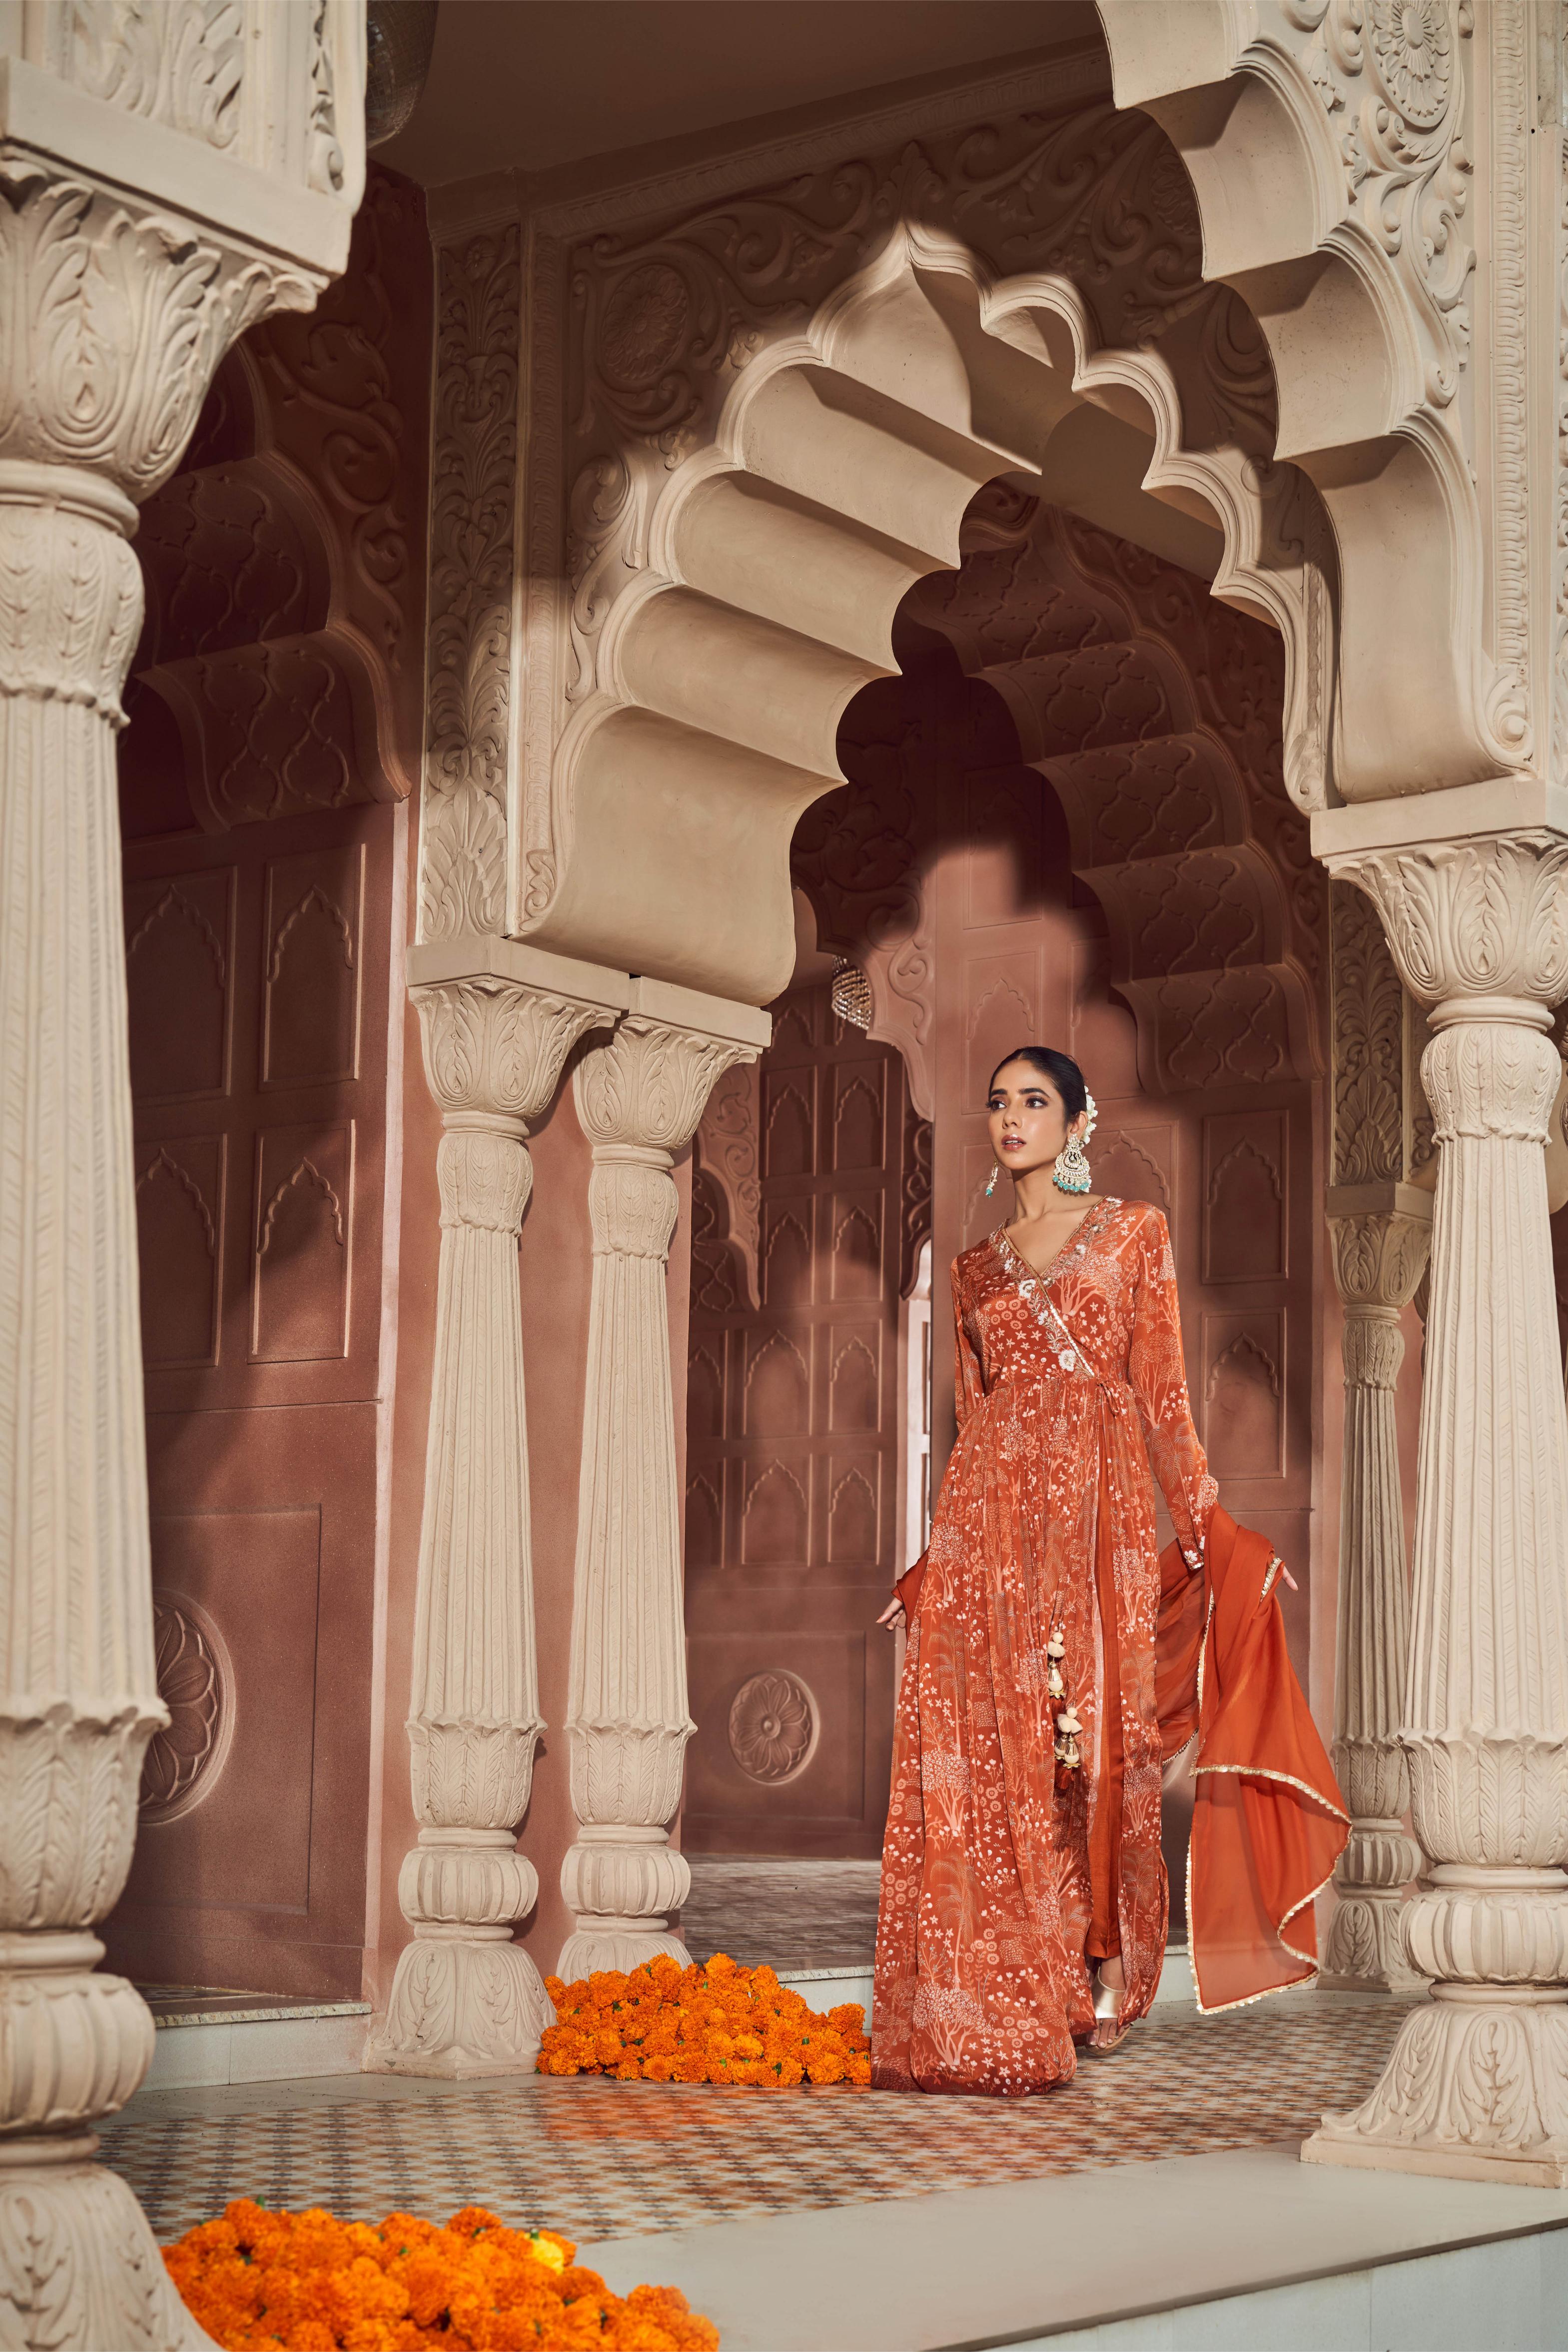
<point>1018,1266</point>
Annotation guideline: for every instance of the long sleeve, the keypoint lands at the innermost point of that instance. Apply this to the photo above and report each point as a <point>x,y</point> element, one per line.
<point>969,1385</point>
<point>1159,1383</point>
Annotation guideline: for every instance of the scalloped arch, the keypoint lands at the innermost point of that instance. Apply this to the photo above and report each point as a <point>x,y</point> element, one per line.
<point>1326,148</point>
<point>770,414</point>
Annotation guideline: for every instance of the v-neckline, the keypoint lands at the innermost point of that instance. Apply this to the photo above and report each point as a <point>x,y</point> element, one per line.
<point>1012,1257</point>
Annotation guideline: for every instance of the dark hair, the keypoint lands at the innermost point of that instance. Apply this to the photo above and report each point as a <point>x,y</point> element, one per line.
<point>1060,1068</point>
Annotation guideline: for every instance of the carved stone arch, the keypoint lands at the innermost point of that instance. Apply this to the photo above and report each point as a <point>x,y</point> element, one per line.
<point>1327,146</point>
<point>773,411</point>
<point>283,559</point>
<point>1162,743</point>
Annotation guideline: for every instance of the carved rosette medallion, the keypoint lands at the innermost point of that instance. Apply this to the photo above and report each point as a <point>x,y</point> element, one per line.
<point>195,1683</point>
<point>1412,49</point>
<point>774,1724</point>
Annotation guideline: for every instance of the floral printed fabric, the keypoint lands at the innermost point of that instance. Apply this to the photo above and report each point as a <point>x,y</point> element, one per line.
<point>989,1860</point>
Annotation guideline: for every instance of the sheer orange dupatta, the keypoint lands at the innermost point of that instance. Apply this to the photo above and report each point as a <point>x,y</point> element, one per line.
<point>1268,1821</point>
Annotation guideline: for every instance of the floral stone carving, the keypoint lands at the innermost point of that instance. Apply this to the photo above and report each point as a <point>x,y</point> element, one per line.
<point>195,1683</point>
<point>773,1726</point>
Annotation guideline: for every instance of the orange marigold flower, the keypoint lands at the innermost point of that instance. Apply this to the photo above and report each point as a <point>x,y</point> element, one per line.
<point>307,2282</point>
<point>709,2023</point>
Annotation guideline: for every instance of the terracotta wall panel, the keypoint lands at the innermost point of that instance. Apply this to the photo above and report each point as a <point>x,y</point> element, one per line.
<point>793,1424</point>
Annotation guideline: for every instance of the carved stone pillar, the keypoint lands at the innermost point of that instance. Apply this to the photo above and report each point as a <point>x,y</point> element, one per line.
<point>120,301</point>
<point>1378,1261</point>
<point>1380,1225</point>
<point>1477,2082</point>
<point>467,1999</point>
<point>638,1099</point>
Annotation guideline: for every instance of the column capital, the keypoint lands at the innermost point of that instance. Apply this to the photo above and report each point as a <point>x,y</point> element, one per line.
<point>497,1047</point>
<point>1478,926</point>
<point>127,309</point>
<point>649,1083</point>
<point>1381,1255</point>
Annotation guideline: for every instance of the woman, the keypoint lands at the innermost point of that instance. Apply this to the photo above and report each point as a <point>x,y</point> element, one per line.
<point>1023,1896</point>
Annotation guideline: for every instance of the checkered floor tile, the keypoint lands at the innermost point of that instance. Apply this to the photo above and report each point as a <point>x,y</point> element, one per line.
<point>791,1914</point>
<point>609,2159</point>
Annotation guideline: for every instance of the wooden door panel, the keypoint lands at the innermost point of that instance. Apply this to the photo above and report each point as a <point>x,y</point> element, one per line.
<point>257,968</point>
<point>793,1426</point>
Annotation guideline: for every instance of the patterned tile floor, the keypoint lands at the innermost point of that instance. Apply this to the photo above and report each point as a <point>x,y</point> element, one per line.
<point>792,1915</point>
<point>608,2159</point>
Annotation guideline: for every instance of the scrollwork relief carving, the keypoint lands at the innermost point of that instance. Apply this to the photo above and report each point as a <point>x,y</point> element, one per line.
<point>473,490</point>
<point>1369,1046</point>
<point>727,1149</point>
<point>279,623</point>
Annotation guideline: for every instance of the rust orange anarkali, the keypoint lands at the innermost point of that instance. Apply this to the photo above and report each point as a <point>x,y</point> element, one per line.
<point>1003,1875</point>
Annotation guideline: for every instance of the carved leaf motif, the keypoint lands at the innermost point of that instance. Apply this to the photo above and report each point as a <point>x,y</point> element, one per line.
<point>1368,1027</point>
<point>463,858</point>
<point>125,317</point>
<point>176,61</point>
<point>649,1083</point>
<point>495,1047</point>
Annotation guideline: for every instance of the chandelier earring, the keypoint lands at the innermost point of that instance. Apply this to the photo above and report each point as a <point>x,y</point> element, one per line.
<point>1070,1173</point>
<point>991,1181</point>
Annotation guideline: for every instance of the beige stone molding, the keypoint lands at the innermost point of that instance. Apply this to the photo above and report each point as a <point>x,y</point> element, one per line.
<point>171,176</point>
<point>1369,184</point>
<point>498,1022</point>
<point>1477,2082</point>
<point>639,1097</point>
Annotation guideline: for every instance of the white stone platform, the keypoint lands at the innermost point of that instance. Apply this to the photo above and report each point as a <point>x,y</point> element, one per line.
<point>1226,2252</point>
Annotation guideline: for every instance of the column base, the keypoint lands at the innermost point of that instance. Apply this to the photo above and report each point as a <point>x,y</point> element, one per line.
<point>459,2010</point>
<point>617,1946</point>
<point>79,2268</point>
<point>1474,2090</point>
<point>1365,1951</point>
<point>1441,2163</point>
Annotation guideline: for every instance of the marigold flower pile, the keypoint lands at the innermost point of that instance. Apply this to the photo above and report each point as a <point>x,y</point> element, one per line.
<point>309,2283</point>
<point>712,2023</point>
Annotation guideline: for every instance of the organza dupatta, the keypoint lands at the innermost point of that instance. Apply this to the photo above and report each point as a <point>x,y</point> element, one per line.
<point>1268,1821</point>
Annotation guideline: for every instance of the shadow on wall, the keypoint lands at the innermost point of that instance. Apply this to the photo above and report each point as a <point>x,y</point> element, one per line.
<point>275,722</point>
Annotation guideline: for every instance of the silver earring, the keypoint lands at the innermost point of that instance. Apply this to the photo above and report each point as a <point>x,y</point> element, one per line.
<point>995,1172</point>
<point>1070,1173</point>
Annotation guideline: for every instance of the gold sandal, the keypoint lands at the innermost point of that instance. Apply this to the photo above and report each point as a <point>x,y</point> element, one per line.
<point>1107,2001</point>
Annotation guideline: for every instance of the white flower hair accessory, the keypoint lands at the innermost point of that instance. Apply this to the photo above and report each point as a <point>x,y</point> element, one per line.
<point>1091,1109</point>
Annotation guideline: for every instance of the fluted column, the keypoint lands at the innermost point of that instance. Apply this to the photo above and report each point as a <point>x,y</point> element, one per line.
<point>1378,1261</point>
<point>1477,2082</point>
<point>467,1999</point>
<point>117,309</point>
<point>638,1099</point>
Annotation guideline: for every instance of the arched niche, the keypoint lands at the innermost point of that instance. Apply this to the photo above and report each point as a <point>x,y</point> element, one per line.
<point>756,422</point>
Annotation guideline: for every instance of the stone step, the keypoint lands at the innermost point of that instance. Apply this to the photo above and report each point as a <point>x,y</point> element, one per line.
<point>213,2033</point>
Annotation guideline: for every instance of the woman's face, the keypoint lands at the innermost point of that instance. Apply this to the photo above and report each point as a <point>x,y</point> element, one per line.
<point>1028,1123</point>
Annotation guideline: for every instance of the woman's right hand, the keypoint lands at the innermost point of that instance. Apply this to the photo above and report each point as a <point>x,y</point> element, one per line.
<point>893,1616</point>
